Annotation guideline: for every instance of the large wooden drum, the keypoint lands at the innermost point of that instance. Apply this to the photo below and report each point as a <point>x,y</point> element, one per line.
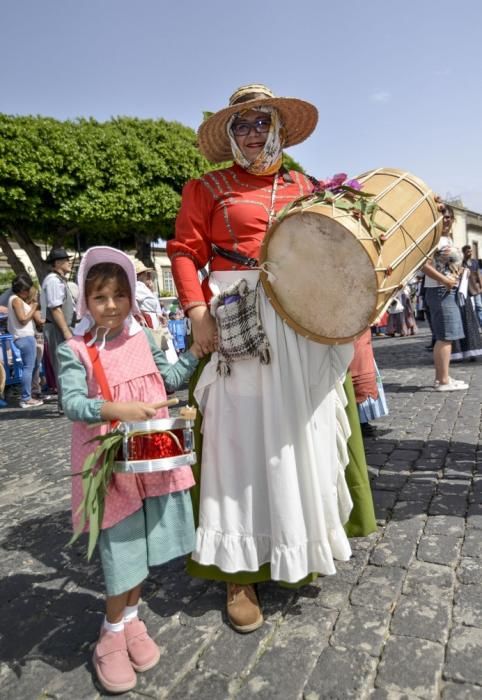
<point>331,271</point>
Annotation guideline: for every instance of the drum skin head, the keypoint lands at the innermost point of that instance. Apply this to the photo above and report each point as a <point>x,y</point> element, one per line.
<point>325,286</point>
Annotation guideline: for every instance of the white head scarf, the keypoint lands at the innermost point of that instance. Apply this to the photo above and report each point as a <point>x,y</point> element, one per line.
<point>269,160</point>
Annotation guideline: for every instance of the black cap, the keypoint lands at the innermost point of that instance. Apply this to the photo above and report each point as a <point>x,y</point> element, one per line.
<point>57,254</point>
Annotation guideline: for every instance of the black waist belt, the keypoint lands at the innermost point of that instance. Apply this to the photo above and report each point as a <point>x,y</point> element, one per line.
<point>235,257</point>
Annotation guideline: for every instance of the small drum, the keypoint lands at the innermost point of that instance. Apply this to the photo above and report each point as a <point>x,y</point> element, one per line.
<point>330,271</point>
<point>156,445</point>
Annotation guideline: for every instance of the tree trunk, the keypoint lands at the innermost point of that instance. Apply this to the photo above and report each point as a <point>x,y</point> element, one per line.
<point>15,263</point>
<point>143,249</point>
<point>32,249</point>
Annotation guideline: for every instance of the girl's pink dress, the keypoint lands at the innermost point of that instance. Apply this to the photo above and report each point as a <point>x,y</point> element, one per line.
<point>132,375</point>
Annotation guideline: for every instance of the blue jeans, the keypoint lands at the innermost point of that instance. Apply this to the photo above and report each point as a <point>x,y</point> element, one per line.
<point>478,307</point>
<point>28,351</point>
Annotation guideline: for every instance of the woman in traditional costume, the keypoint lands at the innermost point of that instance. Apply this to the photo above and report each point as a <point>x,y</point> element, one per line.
<point>274,495</point>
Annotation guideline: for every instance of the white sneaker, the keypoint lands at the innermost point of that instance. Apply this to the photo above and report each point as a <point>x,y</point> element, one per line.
<point>31,403</point>
<point>452,385</point>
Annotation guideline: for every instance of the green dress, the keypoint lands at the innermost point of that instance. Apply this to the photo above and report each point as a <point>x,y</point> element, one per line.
<point>362,517</point>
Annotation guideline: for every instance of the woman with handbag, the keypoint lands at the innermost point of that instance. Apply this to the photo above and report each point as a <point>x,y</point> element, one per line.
<point>273,497</point>
<point>442,277</point>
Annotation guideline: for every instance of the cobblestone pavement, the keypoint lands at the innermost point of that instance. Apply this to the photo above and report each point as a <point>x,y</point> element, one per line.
<point>401,619</point>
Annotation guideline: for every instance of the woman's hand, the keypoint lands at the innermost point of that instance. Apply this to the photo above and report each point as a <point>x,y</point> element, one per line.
<point>203,329</point>
<point>451,281</point>
<point>129,411</point>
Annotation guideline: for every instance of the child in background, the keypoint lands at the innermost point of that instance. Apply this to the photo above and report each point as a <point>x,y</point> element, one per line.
<point>147,518</point>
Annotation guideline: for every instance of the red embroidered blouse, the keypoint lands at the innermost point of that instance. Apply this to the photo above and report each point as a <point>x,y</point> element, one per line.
<point>230,208</point>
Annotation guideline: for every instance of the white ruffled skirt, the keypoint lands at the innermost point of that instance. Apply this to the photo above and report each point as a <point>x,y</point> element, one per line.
<point>273,483</point>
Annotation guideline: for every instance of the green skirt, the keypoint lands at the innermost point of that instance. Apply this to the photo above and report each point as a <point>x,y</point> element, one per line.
<point>362,517</point>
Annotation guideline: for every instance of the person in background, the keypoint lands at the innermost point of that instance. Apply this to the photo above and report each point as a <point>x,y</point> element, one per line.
<point>3,381</point>
<point>367,382</point>
<point>442,275</point>
<point>58,307</point>
<point>7,293</point>
<point>146,297</point>
<point>21,312</point>
<point>474,281</point>
<point>470,346</point>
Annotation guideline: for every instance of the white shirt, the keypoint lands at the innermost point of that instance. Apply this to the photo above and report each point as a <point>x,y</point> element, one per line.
<point>444,242</point>
<point>15,328</point>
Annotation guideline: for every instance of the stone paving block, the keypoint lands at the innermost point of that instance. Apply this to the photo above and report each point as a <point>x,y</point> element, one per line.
<point>29,680</point>
<point>445,525</point>
<point>351,570</point>
<point>474,516</point>
<point>439,549</point>
<point>333,592</point>
<point>410,528</point>
<point>457,691</point>
<point>470,571</point>
<point>181,646</point>
<point>468,605</point>
<point>448,505</point>
<point>340,673</point>
<point>408,510</point>
<point>422,616</point>
<point>424,578</point>
<point>412,666</point>
<point>464,654</point>
<point>472,546</point>
<point>79,683</point>
<point>295,647</point>
<point>229,654</point>
<point>389,481</point>
<point>383,502</point>
<point>417,492</point>
<point>199,685</point>
<point>378,587</point>
<point>382,694</point>
<point>393,551</point>
<point>361,628</point>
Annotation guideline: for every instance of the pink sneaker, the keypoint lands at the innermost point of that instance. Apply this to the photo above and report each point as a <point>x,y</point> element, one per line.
<point>111,663</point>
<point>143,651</point>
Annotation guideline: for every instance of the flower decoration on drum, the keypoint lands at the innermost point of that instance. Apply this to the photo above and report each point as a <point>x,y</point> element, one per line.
<point>337,183</point>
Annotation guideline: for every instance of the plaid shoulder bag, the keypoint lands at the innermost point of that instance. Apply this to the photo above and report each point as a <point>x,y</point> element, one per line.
<point>240,333</point>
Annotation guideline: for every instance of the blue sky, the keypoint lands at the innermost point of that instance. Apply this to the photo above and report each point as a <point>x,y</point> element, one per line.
<point>397,82</point>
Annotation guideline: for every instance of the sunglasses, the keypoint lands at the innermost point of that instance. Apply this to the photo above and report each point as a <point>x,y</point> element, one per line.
<point>260,126</point>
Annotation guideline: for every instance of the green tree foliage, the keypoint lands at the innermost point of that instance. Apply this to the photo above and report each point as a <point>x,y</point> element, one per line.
<point>117,182</point>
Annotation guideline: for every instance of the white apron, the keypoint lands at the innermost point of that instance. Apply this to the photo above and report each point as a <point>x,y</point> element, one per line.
<point>273,486</point>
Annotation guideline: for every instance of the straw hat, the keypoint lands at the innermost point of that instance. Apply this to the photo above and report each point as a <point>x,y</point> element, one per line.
<point>299,120</point>
<point>140,267</point>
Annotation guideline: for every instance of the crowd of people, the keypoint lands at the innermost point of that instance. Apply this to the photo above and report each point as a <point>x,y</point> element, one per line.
<point>281,480</point>
<point>39,320</point>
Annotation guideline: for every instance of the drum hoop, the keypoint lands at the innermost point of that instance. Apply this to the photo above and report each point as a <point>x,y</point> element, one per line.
<point>146,466</point>
<point>155,426</point>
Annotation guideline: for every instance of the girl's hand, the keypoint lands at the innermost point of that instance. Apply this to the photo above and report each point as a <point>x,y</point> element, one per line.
<point>203,329</point>
<point>129,411</point>
<point>197,350</point>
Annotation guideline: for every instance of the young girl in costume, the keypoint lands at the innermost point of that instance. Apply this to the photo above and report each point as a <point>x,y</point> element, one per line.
<point>147,518</point>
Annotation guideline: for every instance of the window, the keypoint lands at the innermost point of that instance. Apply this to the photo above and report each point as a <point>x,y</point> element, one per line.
<point>167,281</point>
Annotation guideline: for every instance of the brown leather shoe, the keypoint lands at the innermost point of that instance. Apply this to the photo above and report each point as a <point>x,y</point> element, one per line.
<point>244,611</point>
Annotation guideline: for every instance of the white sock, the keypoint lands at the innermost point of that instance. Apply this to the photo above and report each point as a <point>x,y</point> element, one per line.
<point>114,626</point>
<point>130,613</point>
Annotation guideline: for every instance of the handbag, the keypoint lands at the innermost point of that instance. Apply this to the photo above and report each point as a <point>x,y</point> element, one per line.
<point>396,306</point>
<point>240,333</point>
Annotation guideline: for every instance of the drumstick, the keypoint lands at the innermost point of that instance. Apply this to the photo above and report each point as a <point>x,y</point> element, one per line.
<point>163,404</point>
